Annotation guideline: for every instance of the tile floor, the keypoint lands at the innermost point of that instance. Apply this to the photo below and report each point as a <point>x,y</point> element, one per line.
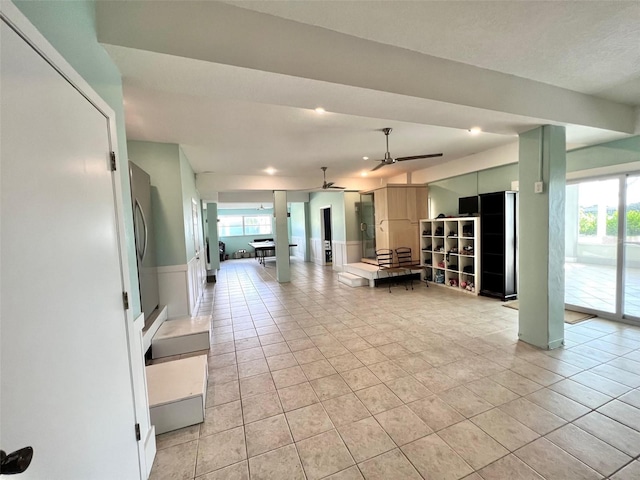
<point>594,286</point>
<point>313,379</point>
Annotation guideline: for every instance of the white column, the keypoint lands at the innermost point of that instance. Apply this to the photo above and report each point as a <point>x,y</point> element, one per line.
<point>542,236</point>
<point>283,268</point>
<point>212,230</point>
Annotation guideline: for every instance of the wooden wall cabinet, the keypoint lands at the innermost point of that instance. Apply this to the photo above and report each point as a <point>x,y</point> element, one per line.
<point>398,210</point>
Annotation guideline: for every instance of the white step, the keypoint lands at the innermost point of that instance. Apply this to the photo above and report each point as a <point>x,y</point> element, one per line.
<point>177,393</point>
<point>352,280</point>
<point>365,270</point>
<point>182,335</point>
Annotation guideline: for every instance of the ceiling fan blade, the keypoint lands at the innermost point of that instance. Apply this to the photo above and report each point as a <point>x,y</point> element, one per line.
<point>380,165</point>
<point>338,188</point>
<point>417,157</point>
<point>327,184</point>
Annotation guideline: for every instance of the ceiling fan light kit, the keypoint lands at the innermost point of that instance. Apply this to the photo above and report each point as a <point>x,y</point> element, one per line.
<point>389,160</point>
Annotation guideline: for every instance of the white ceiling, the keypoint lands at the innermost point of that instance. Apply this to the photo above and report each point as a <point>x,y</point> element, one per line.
<point>235,114</point>
<point>591,47</point>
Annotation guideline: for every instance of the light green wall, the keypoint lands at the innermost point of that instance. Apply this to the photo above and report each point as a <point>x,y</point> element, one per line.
<point>444,194</point>
<point>212,233</point>
<point>189,193</point>
<point>352,222</point>
<point>162,162</point>
<point>71,28</point>
<point>497,179</point>
<point>233,244</point>
<point>211,226</point>
<point>605,154</point>
<point>317,200</point>
<point>298,220</point>
<point>299,227</point>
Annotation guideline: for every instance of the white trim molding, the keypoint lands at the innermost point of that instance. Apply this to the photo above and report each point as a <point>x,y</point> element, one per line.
<point>172,289</point>
<point>345,252</point>
<point>298,251</point>
<point>180,286</point>
<point>317,251</point>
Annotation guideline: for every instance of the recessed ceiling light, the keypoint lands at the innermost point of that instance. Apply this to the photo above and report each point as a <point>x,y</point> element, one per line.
<point>365,158</point>
<point>320,110</point>
<point>475,130</point>
<point>270,170</point>
<point>363,174</point>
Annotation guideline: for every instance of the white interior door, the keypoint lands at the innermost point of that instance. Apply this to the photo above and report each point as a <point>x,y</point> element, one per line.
<point>65,377</point>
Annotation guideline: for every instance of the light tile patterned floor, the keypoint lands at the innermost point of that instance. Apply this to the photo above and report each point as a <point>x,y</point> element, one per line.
<point>594,286</point>
<point>313,379</point>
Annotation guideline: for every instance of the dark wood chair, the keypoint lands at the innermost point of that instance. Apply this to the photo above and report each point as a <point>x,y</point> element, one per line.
<point>406,262</point>
<point>386,264</point>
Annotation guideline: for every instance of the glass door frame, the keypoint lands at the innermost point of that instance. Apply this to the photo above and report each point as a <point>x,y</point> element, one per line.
<point>621,242</point>
<point>367,226</point>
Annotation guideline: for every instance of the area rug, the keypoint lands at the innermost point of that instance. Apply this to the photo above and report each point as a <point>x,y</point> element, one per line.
<point>569,315</point>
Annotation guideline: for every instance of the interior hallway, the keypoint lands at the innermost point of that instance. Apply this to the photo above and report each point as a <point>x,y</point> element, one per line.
<point>314,379</point>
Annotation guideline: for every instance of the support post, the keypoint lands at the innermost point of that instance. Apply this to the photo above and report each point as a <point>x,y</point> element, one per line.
<point>283,267</point>
<point>542,158</point>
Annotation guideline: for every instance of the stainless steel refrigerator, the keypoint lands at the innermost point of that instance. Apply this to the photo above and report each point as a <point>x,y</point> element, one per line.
<point>144,237</point>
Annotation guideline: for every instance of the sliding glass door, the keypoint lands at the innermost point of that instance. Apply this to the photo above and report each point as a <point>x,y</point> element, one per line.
<point>602,254</point>
<point>591,245</point>
<point>631,301</point>
<point>367,226</point>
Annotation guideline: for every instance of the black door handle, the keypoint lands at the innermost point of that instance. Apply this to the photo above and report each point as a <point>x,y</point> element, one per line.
<point>16,462</point>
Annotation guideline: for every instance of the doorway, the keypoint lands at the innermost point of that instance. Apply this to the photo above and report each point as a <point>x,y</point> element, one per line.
<point>602,253</point>
<point>367,226</point>
<point>69,373</point>
<point>325,222</point>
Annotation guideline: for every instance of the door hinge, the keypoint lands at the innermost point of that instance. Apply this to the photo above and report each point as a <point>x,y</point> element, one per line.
<point>112,155</point>
<point>138,436</point>
<point>125,300</point>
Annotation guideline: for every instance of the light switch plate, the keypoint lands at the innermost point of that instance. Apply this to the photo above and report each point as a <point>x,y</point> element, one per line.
<point>538,187</point>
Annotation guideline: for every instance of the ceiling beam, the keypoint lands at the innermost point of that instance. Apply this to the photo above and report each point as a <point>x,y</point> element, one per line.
<point>225,34</point>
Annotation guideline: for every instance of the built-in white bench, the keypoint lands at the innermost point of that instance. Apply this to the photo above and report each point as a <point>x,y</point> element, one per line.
<point>366,271</point>
<point>181,335</point>
<point>177,393</point>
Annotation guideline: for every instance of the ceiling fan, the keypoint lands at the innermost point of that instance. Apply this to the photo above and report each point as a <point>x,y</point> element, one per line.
<point>326,185</point>
<point>389,160</point>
